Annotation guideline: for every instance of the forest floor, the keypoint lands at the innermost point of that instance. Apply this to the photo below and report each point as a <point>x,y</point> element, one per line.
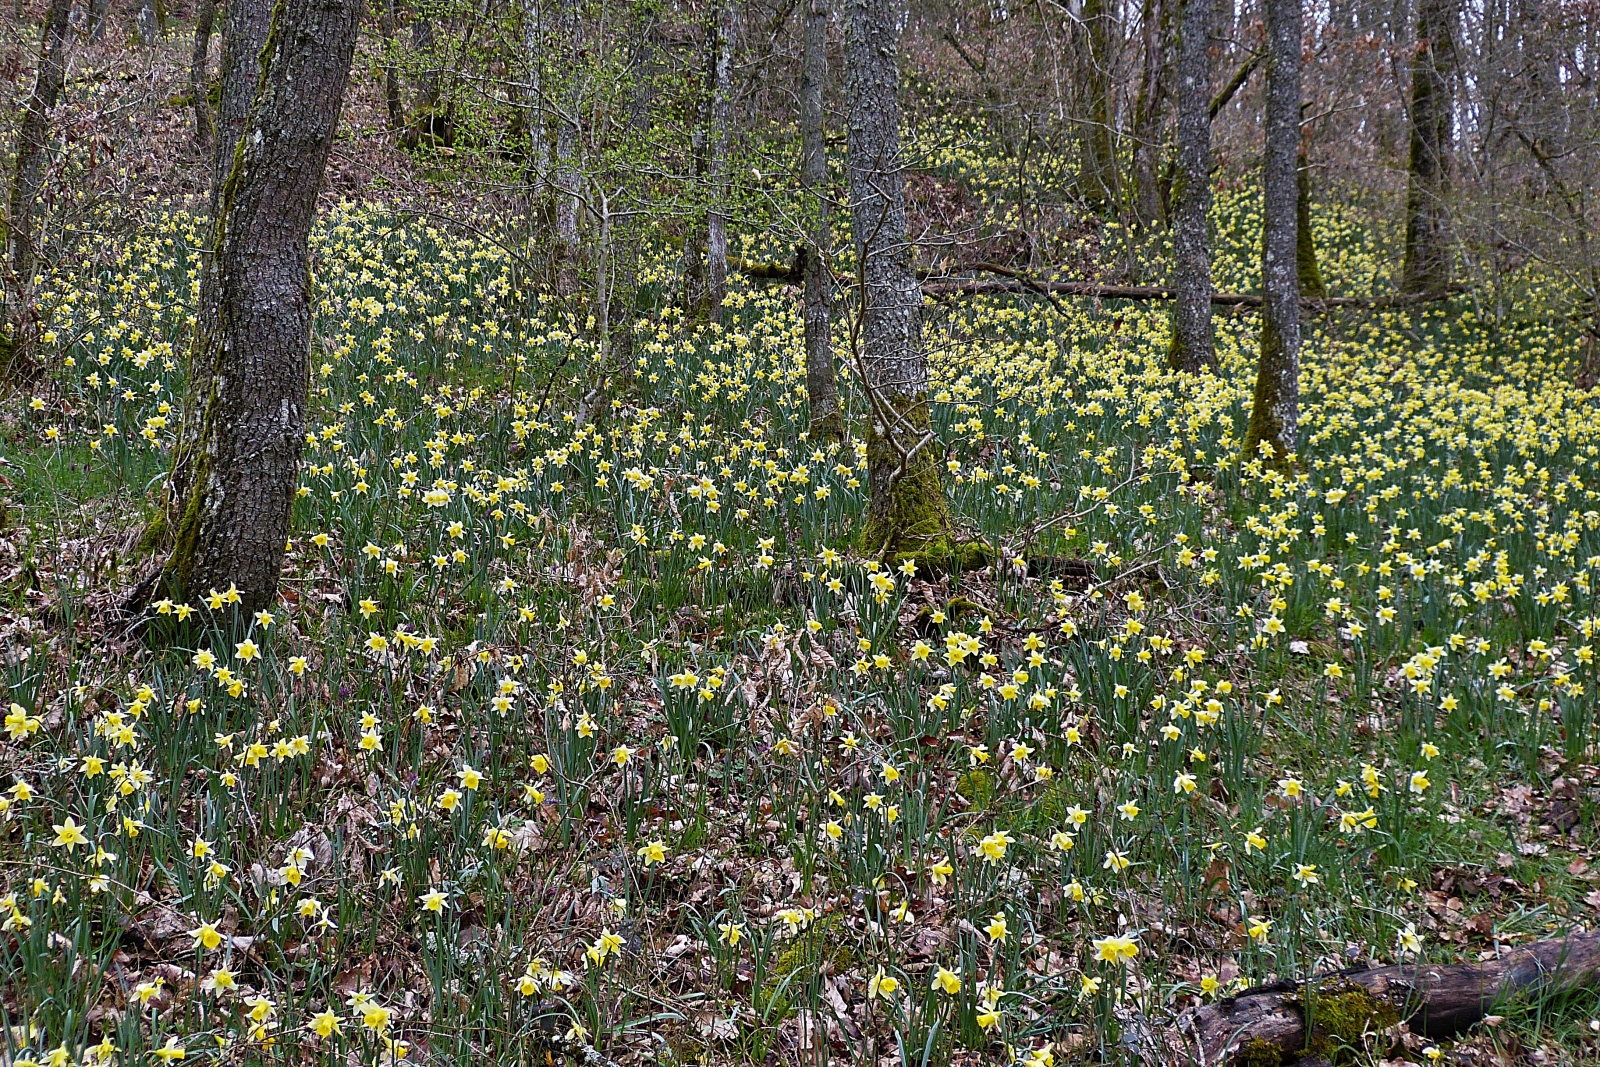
<point>599,731</point>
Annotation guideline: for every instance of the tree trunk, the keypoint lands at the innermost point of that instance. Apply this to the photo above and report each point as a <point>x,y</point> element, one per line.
<point>533,48</point>
<point>694,258</point>
<point>721,136</point>
<point>1099,174</point>
<point>236,518</point>
<point>199,64</point>
<point>1305,247</point>
<point>822,387</point>
<point>1192,344</point>
<point>1149,111</point>
<point>27,182</point>
<point>1427,262</point>
<point>244,34</point>
<point>99,14</point>
<point>1287,1021</point>
<point>426,88</point>
<point>1275,415</point>
<point>146,25</point>
<point>906,511</point>
<point>394,103</point>
<point>568,174</point>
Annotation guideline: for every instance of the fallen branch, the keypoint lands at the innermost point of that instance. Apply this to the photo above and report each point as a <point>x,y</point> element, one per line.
<point>1289,1021</point>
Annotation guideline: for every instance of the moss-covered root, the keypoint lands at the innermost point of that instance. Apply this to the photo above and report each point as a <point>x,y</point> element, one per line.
<point>908,517</point>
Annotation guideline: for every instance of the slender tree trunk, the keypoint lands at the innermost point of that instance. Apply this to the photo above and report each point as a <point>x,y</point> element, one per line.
<point>1149,111</point>
<point>822,387</point>
<point>1427,262</point>
<point>568,175</point>
<point>394,103</point>
<point>1275,415</point>
<point>244,34</point>
<point>721,136</point>
<point>27,182</point>
<point>1305,246</point>
<point>906,511</point>
<point>426,88</point>
<point>236,519</point>
<point>694,257</point>
<point>99,15</point>
<point>1099,176</point>
<point>533,48</point>
<point>199,72</point>
<point>146,24</point>
<point>1192,344</point>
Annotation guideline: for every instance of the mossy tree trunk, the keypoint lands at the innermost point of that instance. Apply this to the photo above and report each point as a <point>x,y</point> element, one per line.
<point>1192,343</point>
<point>1275,413</point>
<point>906,511</point>
<point>1427,259</point>
<point>236,518</point>
<point>244,34</point>
<point>1305,242</point>
<point>199,64</point>
<point>822,386</point>
<point>27,182</point>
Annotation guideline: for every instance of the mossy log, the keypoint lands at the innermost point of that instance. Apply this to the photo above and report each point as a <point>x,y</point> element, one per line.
<point>1309,1022</point>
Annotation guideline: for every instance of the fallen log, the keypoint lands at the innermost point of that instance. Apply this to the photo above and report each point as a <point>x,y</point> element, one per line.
<point>1011,282</point>
<point>1026,286</point>
<point>1308,1022</point>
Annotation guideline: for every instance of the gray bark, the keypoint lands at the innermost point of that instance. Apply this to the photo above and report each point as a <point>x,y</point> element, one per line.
<point>721,136</point>
<point>1099,168</point>
<point>245,25</point>
<point>199,73</point>
<point>99,14</point>
<point>1149,112</point>
<point>427,81</point>
<point>244,34</point>
<point>822,387</point>
<point>533,47</point>
<point>1427,262</point>
<point>236,519</point>
<point>906,506</point>
<point>146,23</point>
<point>27,182</point>
<point>1275,414</point>
<point>1192,344</point>
<point>568,175</point>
